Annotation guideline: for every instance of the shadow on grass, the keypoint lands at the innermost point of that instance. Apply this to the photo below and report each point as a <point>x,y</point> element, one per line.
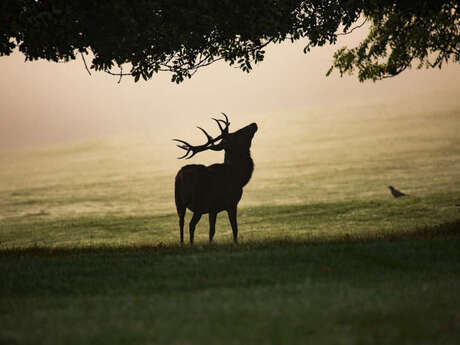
<point>283,263</point>
<point>446,230</point>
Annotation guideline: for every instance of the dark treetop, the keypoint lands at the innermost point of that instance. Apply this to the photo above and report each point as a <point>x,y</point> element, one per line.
<point>181,36</point>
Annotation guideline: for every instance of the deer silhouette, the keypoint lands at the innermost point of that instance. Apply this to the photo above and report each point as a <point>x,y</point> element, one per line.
<point>218,187</point>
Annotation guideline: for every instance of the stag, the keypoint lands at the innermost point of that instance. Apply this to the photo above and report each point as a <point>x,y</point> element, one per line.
<point>218,187</point>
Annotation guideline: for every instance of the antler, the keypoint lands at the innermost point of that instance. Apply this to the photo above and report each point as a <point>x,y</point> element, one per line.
<point>226,123</point>
<point>210,143</point>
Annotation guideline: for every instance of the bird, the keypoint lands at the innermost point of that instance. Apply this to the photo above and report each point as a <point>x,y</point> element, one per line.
<point>396,193</point>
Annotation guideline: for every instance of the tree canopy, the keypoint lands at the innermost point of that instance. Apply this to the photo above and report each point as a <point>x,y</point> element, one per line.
<point>181,36</point>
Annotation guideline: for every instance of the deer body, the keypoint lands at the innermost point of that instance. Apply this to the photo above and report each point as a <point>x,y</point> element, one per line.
<point>218,187</point>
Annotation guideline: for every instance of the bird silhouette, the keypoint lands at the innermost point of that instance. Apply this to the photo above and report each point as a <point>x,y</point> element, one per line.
<point>396,193</point>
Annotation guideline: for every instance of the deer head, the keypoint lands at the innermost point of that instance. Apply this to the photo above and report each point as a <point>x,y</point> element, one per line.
<point>237,142</point>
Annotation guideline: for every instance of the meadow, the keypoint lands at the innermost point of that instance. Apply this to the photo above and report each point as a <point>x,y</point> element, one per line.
<point>89,248</point>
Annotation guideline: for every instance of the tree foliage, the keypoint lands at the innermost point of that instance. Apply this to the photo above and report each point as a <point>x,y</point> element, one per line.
<point>181,36</point>
<point>404,32</point>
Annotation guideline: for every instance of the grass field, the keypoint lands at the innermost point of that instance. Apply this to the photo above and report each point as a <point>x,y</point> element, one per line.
<point>89,248</point>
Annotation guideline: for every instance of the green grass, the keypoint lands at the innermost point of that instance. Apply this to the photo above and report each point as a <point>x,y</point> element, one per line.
<point>387,291</point>
<point>89,248</point>
<point>307,222</point>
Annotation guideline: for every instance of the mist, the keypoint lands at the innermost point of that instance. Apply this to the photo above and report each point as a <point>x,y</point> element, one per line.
<point>47,103</point>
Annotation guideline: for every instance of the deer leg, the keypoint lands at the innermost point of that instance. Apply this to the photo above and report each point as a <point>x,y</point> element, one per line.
<point>195,219</point>
<point>212,225</point>
<point>232,217</point>
<point>181,213</point>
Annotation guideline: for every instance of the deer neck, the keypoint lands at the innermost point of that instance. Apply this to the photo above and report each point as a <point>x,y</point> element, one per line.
<point>241,167</point>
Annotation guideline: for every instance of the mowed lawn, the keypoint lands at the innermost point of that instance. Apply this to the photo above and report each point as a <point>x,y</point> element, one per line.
<point>89,248</point>
<point>390,291</point>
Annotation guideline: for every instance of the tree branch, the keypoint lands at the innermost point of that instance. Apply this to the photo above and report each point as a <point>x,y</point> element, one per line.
<point>84,61</point>
<point>353,29</point>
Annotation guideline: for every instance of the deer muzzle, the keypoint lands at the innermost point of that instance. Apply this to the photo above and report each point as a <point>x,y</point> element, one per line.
<point>252,128</point>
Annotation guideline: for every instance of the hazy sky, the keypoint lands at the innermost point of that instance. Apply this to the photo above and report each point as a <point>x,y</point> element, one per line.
<point>44,102</point>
